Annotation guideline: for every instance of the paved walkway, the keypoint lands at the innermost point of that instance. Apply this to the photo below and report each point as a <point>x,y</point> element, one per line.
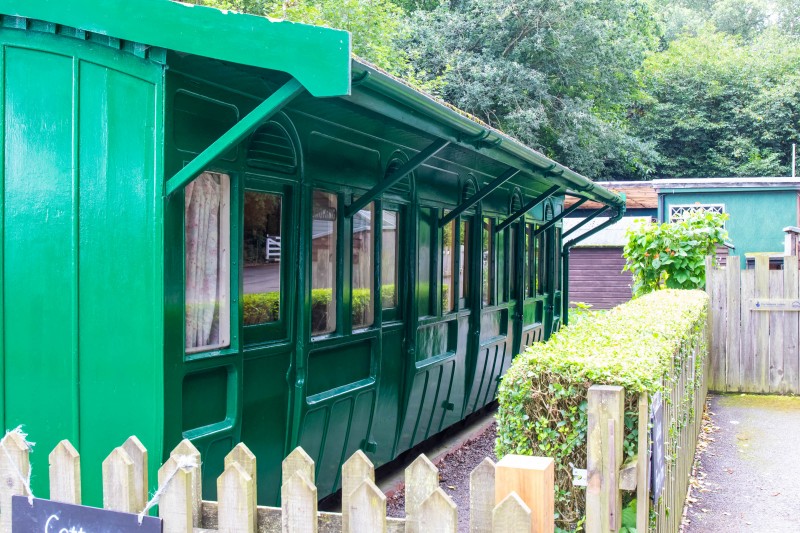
<point>752,467</point>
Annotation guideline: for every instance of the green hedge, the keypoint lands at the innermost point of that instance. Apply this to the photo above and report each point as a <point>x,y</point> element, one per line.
<point>542,398</point>
<point>263,307</point>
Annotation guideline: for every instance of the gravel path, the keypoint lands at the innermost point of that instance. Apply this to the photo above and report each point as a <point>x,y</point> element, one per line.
<point>454,470</point>
<point>748,476</point>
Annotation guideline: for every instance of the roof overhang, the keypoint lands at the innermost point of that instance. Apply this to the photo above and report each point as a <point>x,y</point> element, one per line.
<point>208,32</point>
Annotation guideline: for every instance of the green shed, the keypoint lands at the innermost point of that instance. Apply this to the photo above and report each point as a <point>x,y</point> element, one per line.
<point>197,210</point>
<point>759,208</point>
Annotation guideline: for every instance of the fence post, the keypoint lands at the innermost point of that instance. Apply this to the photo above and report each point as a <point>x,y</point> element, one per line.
<point>643,466</point>
<point>422,479</point>
<point>65,473</point>
<point>138,454</point>
<point>186,448</point>
<point>604,457</point>
<point>367,509</point>
<point>242,455</point>
<point>355,471</point>
<point>511,516</point>
<point>481,497</point>
<point>118,484</point>
<point>298,505</point>
<point>236,512</point>
<point>298,493</point>
<point>176,506</point>
<point>533,480</point>
<point>438,513</point>
<point>15,470</point>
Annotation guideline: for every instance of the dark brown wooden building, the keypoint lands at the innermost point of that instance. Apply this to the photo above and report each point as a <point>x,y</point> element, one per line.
<point>595,265</point>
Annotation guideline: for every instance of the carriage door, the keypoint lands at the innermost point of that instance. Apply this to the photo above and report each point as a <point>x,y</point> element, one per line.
<point>336,379</point>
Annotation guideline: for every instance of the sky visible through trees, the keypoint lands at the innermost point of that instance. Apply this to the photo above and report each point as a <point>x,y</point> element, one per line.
<point>615,89</point>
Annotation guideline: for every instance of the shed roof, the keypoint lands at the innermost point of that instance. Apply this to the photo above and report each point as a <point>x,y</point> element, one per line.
<point>638,194</point>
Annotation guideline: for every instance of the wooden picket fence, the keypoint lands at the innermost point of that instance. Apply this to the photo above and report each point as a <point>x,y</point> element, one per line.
<point>755,349</point>
<point>180,504</point>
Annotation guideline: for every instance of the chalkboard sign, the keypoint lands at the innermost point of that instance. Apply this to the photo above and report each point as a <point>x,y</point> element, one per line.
<point>658,467</point>
<point>45,516</point>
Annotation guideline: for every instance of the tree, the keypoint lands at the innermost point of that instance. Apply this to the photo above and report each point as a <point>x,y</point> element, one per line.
<point>717,106</point>
<point>557,74</point>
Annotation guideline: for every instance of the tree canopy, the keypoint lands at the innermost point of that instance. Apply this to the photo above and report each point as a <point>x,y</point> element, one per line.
<point>616,89</point>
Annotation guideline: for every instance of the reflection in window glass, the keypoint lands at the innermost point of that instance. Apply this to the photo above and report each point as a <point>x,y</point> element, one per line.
<point>448,266</point>
<point>207,262</point>
<point>529,261</point>
<point>512,256</point>
<point>501,260</point>
<point>261,251</point>
<point>541,263</point>
<point>389,255</point>
<point>323,263</point>
<point>557,258</point>
<point>363,273</point>
<point>488,262</point>
<point>463,265</point>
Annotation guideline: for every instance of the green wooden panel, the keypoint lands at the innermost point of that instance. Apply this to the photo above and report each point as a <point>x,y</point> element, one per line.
<point>39,284</point>
<point>264,417</point>
<point>325,70</point>
<point>120,346</point>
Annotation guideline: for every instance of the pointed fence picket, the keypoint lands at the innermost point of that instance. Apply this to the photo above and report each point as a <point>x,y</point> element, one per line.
<point>180,503</point>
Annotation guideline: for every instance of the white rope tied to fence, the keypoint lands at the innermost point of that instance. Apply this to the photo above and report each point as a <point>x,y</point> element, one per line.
<point>181,461</point>
<point>26,480</point>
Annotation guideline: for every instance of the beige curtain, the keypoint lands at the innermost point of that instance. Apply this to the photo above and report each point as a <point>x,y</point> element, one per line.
<point>202,219</point>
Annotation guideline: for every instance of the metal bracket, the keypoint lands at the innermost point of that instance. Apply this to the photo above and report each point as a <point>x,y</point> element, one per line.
<point>478,196</point>
<point>266,109</point>
<point>527,207</point>
<point>585,221</point>
<point>395,177</point>
<point>555,220</point>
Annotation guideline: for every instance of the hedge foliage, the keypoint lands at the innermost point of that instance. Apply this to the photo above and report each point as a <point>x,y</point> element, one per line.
<point>263,307</point>
<point>543,397</point>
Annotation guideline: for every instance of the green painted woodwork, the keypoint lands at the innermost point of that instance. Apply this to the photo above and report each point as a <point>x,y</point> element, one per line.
<point>81,284</point>
<point>93,250</point>
<point>757,217</point>
<point>208,32</point>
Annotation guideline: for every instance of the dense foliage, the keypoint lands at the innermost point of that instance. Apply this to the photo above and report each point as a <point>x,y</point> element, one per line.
<point>616,89</point>
<point>637,345</point>
<point>673,254</point>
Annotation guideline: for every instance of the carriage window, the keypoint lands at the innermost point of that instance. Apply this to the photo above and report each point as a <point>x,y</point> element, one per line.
<point>557,257</point>
<point>530,255</point>
<point>501,263</point>
<point>323,263</point>
<point>512,261</point>
<point>448,266</point>
<point>363,273</point>
<point>389,255</point>
<point>207,262</point>
<point>488,262</point>
<point>541,262</point>
<point>261,252</point>
<point>463,265</point>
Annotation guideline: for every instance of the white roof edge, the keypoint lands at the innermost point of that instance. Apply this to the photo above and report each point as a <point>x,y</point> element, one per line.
<point>701,183</point>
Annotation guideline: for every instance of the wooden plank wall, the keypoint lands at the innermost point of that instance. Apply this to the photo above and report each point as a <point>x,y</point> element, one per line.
<point>754,351</point>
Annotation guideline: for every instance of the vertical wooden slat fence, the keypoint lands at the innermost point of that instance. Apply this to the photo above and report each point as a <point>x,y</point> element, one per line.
<point>755,349</point>
<point>180,503</point>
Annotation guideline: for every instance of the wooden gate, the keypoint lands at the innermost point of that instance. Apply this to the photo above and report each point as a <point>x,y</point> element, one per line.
<point>755,320</point>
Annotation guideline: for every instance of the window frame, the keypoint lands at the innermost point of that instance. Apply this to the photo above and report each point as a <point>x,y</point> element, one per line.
<point>394,313</point>
<point>275,331</point>
<point>338,275</point>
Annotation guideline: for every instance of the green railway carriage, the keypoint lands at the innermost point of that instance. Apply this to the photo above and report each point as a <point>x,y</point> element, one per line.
<point>221,227</point>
